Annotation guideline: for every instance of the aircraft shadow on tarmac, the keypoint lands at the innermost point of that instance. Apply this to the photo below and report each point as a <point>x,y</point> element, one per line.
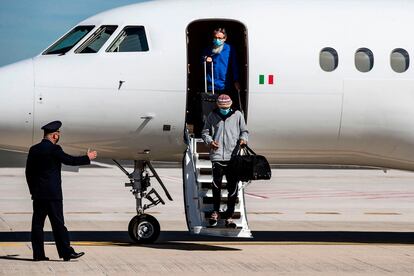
<point>172,239</point>
<point>15,257</point>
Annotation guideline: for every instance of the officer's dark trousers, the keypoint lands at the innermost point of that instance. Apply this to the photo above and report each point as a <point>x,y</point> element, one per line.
<point>220,169</point>
<point>54,210</point>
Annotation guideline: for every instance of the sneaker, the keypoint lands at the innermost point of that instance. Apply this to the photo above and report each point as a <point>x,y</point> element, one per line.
<point>213,220</point>
<point>230,223</point>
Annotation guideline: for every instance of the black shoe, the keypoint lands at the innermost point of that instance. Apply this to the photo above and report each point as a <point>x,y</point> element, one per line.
<point>213,220</point>
<point>230,224</point>
<point>73,255</point>
<point>39,259</point>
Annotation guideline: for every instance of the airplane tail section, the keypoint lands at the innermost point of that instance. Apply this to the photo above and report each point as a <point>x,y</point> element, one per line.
<point>198,199</point>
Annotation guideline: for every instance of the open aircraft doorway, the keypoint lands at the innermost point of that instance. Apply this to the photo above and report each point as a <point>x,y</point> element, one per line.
<point>197,167</point>
<point>199,37</point>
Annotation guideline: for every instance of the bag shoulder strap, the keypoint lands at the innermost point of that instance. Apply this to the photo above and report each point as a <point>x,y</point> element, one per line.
<point>236,150</point>
<point>250,150</point>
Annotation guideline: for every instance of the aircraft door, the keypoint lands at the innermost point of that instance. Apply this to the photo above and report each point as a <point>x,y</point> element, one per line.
<point>229,68</point>
<point>199,43</point>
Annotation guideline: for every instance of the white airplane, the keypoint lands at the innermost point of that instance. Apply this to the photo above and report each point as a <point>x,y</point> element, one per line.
<point>323,82</point>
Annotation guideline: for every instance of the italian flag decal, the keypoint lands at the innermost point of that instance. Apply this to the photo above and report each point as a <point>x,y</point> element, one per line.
<point>266,79</point>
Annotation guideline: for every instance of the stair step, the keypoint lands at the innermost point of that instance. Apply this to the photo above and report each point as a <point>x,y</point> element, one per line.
<point>202,147</point>
<point>209,200</point>
<point>203,156</point>
<point>205,171</point>
<point>204,164</point>
<point>209,209</point>
<point>208,179</point>
<point>238,228</point>
<point>223,232</point>
<point>209,194</point>
<point>209,185</point>
<point>236,215</point>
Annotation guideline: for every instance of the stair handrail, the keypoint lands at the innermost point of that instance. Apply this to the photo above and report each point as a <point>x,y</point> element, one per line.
<point>191,146</point>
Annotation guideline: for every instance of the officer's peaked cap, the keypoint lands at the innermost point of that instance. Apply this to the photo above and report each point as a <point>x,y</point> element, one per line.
<point>52,126</point>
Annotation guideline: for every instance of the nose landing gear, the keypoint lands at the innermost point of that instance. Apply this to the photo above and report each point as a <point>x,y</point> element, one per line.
<point>144,228</point>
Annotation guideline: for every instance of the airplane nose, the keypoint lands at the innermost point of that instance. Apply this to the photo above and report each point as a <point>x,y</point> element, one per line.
<point>16,105</point>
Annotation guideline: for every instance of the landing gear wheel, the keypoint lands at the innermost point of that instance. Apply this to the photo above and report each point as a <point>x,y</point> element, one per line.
<point>144,229</point>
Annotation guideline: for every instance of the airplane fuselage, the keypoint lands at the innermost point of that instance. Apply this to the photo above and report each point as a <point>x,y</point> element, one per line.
<point>132,105</point>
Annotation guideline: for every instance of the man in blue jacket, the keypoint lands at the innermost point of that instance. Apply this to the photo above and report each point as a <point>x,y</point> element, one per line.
<point>43,175</point>
<point>224,60</point>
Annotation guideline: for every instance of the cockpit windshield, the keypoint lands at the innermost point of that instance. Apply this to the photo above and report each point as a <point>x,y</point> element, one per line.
<point>68,41</point>
<point>131,39</point>
<point>97,40</point>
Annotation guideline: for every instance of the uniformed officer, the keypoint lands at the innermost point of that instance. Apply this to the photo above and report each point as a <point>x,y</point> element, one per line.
<point>43,175</point>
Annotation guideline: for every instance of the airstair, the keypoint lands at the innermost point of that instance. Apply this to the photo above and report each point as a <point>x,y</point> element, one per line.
<point>198,199</point>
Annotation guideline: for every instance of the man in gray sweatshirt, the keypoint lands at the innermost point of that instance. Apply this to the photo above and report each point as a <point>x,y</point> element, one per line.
<point>223,129</point>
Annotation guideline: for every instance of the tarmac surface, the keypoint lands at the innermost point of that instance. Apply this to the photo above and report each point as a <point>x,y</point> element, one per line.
<point>304,222</point>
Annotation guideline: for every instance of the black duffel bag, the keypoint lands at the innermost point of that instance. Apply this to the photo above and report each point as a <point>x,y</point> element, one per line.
<point>246,165</point>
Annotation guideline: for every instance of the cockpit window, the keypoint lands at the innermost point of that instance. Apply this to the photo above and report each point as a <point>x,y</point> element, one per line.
<point>68,41</point>
<point>97,40</point>
<point>131,39</point>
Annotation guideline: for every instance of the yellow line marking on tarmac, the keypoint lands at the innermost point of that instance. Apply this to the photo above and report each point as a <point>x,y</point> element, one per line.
<point>91,243</point>
<point>292,243</point>
<point>11,244</point>
<point>17,213</point>
<point>183,243</point>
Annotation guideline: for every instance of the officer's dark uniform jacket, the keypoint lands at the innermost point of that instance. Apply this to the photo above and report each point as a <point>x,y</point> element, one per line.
<point>43,169</point>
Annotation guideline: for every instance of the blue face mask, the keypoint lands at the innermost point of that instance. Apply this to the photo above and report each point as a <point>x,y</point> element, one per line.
<point>218,42</point>
<point>225,111</point>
